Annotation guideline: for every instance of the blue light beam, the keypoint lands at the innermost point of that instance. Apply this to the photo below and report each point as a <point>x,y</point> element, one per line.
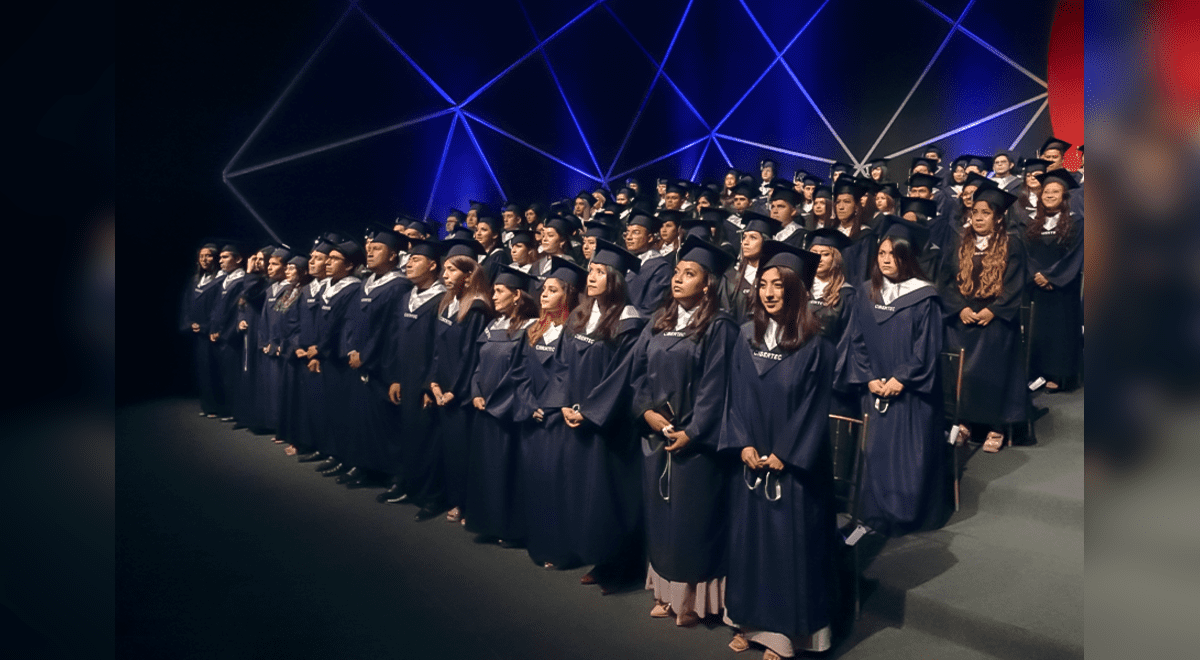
<point>523,143</point>
<point>662,157</point>
<point>486,164</point>
<point>437,88</point>
<point>971,125</point>
<point>437,178</point>
<point>254,213</point>
<point>973,37</point>
<point>790,152</point>
<point>1028,126</point>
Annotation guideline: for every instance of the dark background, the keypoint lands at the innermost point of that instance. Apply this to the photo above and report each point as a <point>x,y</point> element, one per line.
<point>195,87</point>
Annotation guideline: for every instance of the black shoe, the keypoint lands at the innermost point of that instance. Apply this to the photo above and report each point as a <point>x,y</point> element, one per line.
<point>392,491</point>
<point>333,470</point>
<point>327,463</point>
<point>353,474</point>
<point>311,457</point>
<point>427,513</point>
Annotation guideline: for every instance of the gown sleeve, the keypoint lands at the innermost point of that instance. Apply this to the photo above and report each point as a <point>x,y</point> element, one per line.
<point>656,284</point>
<point>1067,268</point>
<point>1008,304</point>
<point>807,433</point>
<point>643,397</point>
<point>468,357</point>
<point>609,395</point>
<point>505,402</point>
<point>919,370</point>
<point>712,391</point>
<point>858,360</point>
<point>742,423</point>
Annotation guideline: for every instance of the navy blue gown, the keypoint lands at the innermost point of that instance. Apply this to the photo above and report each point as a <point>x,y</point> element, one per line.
<point>310,413</point>
<point>904,487</point>
<point>338,377</point>
<point>248,405</point>
<point>197,307</point>
<point>369,331</point>
<point>1056,342</point>
<point>286,335</point>
<point>494,501</point>
<point>685,493</point>
<point>543,467</point>
<point>649,284</point>
<point>455,355</point>
<point>834,321</point>
<point>224,321</point>
<point>600,464</point>
<point>782,532</point>
<point>273,361</point>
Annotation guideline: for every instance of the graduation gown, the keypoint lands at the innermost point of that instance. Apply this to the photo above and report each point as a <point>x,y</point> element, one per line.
<point>340,437</point>
<point>369,330</point>
<point>494,501</point>
<point>781,561</point>
<point>197,307</point>
<point>737,295</point>
<point>229,344</point>
<point>648,285</point>
<point>543,466</point>
<point>601,465</point>
<point>310,415</point>
<point>834,320</point>
<point>685,493</point>
<point>286,334</point>
<point>494,260</point>
<point>1056,341</point>
<point>995,388</point>
<point>412,367</point>
<point>796,238</point>
<point>248,407</point>
<point>856,258</point>
<point>904,488</point>
<point>455,356</point>
<point>270,388</point>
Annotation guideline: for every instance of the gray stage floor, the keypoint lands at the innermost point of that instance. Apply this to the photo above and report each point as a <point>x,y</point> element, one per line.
<point>228,549</point>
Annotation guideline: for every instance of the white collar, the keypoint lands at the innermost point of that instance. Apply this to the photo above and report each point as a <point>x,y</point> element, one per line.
<point>503,322</point>
<point>313,287</point>
<point>525,268</point>
<point>893,290</point>
<point>667,249</point>
<point>684,317</point>
<point>751,273</point>
<point>452,308</point>
<point>1051,222</point>
<point>844,230</point>
<point>206,278</point>
<point>648,255</point>
<point>773,335</point>
<point>276,287</point>
<point>552,333</point>
<point>375,281</point>
<point>787,231</point>
<point>419,298</point>
<point>736,220</point>
<point>981,242</point>
<point>630,312</point>
<point>818,289</point>
<point>332,291</point>
<point>232,277</point>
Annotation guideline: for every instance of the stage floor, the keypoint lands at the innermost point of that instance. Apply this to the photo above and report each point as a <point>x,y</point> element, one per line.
<point>227,548</point>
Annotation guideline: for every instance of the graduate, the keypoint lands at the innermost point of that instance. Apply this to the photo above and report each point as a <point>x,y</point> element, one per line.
<point>523,250</point>
<point>368,332</point>
<point>831,301</point>
<point>285,333</point>
<point>785,208</point>
<point>542,466</point>
<point>1028,192</point>
<point>981,291</point>
<point>248,406</point>
<point>463,313</point>
<point>648,282</point>
<point>195,316</point>
<point>410,370</point>
<point>782,525</point>
<point>329,358</point>
<point>739,289</point>
<point>669,233</point>
<point>680,379</point>
<point>1054,243</point>
<point>923,212</point>
<point>744,193</point>
<point>596,229</point>
<point>494,506</point>
<point>222,328</point>
<point>488,232</point>
<point>271,395</point>
<point>555,242</point>
<point>822,209</point>
<point>600,462</point>
<point>728,183</point>
<point>850,218</point>
<point>896,343</point>
<point>309,436</point>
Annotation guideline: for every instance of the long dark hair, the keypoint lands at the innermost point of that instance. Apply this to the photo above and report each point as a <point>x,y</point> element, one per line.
<point>799,323</point>
<point>548,317</point>
<point>995,260</point>
<point>292,293</point>
<point>475,286</point>
<point>668,312</point>
<point>907,266</point>
<point>837,277</point>
<point>200,272</point>
<point>855,218</point>
<point>523,309</point>
<point>1064,231</point>
<point>612,303</point>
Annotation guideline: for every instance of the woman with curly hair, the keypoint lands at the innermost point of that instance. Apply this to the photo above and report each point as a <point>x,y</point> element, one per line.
<point>1054,241</point>
<point>981,293</point>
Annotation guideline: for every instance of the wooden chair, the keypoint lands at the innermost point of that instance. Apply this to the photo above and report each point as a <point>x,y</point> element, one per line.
<point>848,438</point>
<point>952,383</point>
<point>1027,322</point>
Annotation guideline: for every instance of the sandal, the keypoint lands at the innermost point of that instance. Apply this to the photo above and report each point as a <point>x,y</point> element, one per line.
<point>964,434</point>
<point>771,655</point>
<point>660,611</point>
<point>290,451</point>
<point>995,442</point>
<point>687,619</point>
<point>739,643</point>
<point>454,515</point>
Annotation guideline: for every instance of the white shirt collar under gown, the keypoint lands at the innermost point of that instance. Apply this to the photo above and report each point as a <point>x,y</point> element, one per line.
<point>503,322</point>
<point>1051,222</point>
<point>751,273</point>
<point>313,287</point>
<point>629,312</point>
<point>787,231</point>
<point>419,298</point>
<point>277,287</point>
<point>818,289</point>
<point>648,255</point>
<point>684,317</point>
<point>232,277</point>
<point>205,279</point>
<point>375,281</point>
<point>552,333</point>
<point>981,242</point>
<point>666,251</point>
<point>452,308</point>
<point>893,290</point>
<point>773,334</point>
<point>332,291</point>
<point>525,268</point>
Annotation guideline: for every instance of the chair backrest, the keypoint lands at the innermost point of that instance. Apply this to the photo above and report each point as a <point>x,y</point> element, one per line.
<point>848,439</point>
<point>1027,331</point>
<point>952,379</point>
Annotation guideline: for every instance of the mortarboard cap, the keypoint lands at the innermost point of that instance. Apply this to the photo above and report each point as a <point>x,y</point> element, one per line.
<point>1059,176</point>
<point>567,272</point>
<point>896,227</point>
<point>924,181</point>
<point>514,279</point>
<point>996,198</point>
<point>765,225</point>
<point>463,247</point>
<point>610,254</point>
<point>709,256</point>
<point>800,261</point>
<point>925,208</point>
<point>1055,143</point>
<point>830,237</point>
